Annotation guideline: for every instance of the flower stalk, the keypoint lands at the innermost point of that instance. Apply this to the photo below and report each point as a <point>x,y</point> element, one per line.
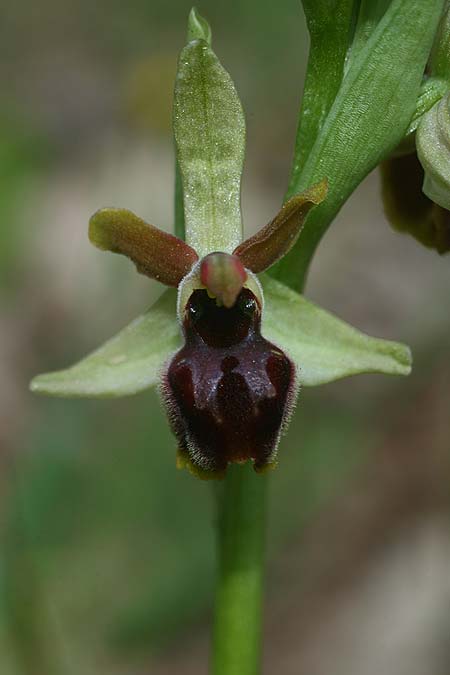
<point>241,533</point>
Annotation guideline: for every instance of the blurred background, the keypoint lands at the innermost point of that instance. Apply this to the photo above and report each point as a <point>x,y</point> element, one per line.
<point>107,551</point>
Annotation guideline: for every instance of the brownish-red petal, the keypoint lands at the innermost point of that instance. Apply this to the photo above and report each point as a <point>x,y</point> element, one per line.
<point>274,240</point>
<point>156,254</point>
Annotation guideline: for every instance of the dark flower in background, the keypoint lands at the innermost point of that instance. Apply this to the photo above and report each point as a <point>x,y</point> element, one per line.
<point>407,207</point>
<point>416,179</point>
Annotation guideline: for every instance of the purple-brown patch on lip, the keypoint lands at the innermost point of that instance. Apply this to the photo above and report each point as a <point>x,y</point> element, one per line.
<point>228,390</point>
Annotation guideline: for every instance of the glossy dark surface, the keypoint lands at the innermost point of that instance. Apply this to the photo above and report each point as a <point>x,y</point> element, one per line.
<point>228,389</point>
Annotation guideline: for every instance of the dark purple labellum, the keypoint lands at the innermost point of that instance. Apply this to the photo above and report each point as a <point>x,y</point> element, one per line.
<point>228,390</point>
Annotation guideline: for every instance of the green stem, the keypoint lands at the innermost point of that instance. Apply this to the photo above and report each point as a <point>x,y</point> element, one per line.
<point>241,544</point>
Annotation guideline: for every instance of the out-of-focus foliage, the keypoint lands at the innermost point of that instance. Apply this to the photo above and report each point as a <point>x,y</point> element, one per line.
<point>24,152</point>
<point>120,542</point>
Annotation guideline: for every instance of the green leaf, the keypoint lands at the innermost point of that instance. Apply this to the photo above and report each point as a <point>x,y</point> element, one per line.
<point>368,119</point>
<point>127,363</point>
<point>330,26</point>
<point>209,129</point>
<point>370,12</point>
<point>433,149</point>
<point>440,56</point>
<point>323,347</point>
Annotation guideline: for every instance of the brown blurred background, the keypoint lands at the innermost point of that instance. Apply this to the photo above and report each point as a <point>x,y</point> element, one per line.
<point>107,552</point>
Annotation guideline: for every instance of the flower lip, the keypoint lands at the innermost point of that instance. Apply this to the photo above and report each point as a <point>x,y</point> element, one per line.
<point>228,390</point>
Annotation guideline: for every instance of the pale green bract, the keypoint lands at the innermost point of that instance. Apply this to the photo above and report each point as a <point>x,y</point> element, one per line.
<point>323,347</point>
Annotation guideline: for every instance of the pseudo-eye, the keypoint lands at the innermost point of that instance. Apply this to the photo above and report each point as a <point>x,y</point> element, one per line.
<point>228,391</point>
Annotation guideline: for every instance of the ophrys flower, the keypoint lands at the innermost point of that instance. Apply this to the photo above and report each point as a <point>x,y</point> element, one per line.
<point>229,347</point>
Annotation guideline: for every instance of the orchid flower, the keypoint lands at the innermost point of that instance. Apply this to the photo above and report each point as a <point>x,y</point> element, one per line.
<point>228,348</point>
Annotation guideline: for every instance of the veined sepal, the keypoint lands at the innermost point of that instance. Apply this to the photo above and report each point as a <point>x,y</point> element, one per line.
<point>209,129</point>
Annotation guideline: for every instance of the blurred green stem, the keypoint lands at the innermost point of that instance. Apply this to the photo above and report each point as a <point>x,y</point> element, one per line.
<point>239,590</point>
